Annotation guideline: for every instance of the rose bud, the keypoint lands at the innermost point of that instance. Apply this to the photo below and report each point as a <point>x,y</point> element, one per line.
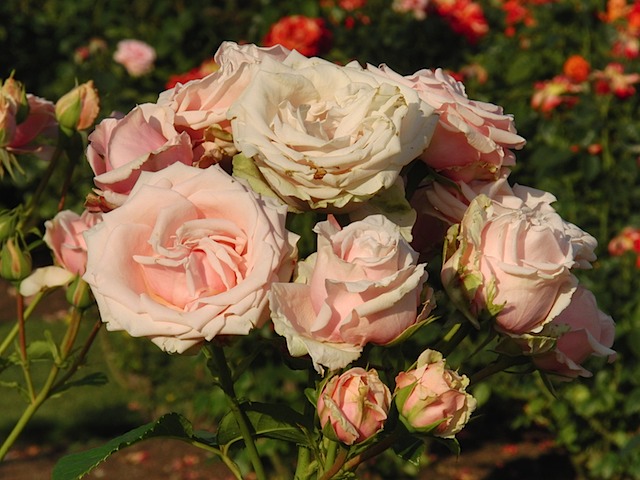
<point>15,262</point>
<point>78,109</point>
<point>353,406</point>
<point>432,399</point>
<point>15,92</point>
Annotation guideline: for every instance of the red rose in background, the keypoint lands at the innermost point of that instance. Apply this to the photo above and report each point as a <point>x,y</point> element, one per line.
<point>309,36</point>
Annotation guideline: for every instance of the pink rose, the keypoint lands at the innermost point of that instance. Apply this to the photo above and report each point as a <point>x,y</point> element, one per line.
<point>136,56</point>
<point>354,405</point>
<point>361,286</point>
<point>513,257</point>
<point>144,140</point>
<point>473,139</point>
<point>63,235</point>
<point>38,130</point>
<point>201,105</point>
<point>583,330</point>
<point>432,398</point>
<point>191,254</point>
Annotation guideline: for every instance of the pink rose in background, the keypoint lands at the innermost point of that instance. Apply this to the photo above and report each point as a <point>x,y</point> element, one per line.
<point>473,139</point>
<point>201,105</point>
<point>190,255</point>
<point>136,56</point>
<point>354,405</point>
<point>432,398</point>
<point>144,140</point>
<point>417,7</point>
<point>513,256</point>
<point>583,330</point>
<point>362,286</point>
<point>63,235</point>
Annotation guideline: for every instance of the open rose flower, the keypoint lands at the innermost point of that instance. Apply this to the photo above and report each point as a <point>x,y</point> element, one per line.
<point>513,256</point>
<point>190,255</point>
<point>473,139</point>
<point>201,105</point>
<point>64,236</point>
<point>353,407</point>
<point>583,330</point>
<point>144,140</point>
<point>136,56</point>
<point>362,286</point>
<point>324,136</point>
<point>432,398</point>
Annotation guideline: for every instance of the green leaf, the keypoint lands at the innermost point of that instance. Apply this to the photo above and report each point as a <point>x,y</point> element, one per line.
<point>95,379</point>
<point>77,465</point>
<point>273,421</point>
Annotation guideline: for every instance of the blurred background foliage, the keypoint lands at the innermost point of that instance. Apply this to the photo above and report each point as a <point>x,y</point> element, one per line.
<point>585,150</point>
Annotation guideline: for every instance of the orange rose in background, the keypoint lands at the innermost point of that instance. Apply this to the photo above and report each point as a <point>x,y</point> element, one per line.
<point>576,68</point>
<point>309,36</point>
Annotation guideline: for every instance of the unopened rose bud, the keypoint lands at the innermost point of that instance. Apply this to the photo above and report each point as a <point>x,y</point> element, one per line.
<point>79,293</point>
<point>78,109</point>
<point>15,262</point>
<point>7,121</point>
<point>15,92</point>
<point>432,399</point>
<point>353,406</point>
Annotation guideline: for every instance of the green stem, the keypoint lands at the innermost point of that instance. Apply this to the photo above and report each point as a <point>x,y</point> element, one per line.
<point>24,357</point>
<point>304,453</point>
<point>16,328</point>
<point>372,451</point>
<point>452,339</point>
<point>33,201</point>
<point>498,366</point>
<point>231,465</point>
<point>29,412</point>
<point>47,389</point>
<point>226,383</point>
<point>334,464</point>
<point>80,358</point>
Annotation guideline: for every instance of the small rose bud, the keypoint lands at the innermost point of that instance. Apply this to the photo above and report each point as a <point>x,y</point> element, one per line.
<point>15,262</point>
<point>353,406</point>
<point>15,92</point>
<point>79,293</point>
<point>7,121</point>
<point>432,399</point>
<point>78,109</point>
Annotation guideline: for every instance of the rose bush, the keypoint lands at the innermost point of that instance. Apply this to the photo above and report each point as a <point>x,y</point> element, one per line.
<point>188,256</point>
<point>362,286</point>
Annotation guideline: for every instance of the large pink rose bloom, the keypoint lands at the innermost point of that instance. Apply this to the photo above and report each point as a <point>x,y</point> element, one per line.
<point>354,405</point>
<point>190,255</point>
<point>473,139</point>
<point>64,236</point>
<point>144,140</point>
<point>201,105</point>
<point>362,286</point>
<point>513,256</point>
<point>583,330</point>
<point>136,56</point>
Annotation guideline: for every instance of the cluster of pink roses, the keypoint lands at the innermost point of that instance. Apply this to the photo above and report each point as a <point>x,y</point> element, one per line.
<point>184,238</point>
